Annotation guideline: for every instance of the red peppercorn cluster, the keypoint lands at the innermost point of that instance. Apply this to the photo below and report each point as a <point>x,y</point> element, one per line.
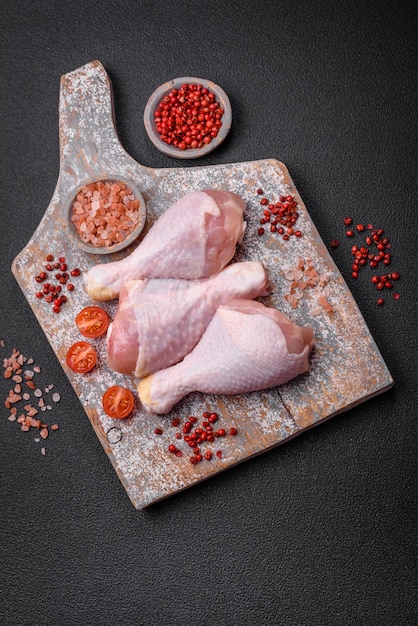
<point>385,281</point>
<point>189,117</point>
<point>196,436</point>
<point>374,252</point>
<point>281,215</point>
<point>52,292</point>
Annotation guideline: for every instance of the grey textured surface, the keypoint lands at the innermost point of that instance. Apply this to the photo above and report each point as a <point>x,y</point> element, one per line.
<point>321,530</point>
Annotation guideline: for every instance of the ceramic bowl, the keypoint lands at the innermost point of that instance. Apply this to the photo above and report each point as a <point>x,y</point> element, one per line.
<point>73,234</point>
<point>189,153</point>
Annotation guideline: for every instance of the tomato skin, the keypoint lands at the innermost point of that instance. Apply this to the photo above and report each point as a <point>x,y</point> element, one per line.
<point>81,357</point>
<point>118,402</point>
<point>92,321</point>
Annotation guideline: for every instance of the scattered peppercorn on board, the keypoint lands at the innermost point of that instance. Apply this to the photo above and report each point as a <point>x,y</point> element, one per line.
<point>307,287</point>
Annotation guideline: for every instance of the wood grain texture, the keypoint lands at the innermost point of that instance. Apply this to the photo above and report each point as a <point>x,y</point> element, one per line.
<point>346,366</point>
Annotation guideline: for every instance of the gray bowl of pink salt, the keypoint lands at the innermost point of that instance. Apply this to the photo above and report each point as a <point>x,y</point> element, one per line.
<point>106,215</point>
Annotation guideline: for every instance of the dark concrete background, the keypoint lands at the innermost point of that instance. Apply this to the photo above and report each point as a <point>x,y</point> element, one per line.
<point>322,530</point>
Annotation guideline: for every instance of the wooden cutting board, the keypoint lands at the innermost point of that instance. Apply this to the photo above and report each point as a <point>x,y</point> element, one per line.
<point>346,369</point>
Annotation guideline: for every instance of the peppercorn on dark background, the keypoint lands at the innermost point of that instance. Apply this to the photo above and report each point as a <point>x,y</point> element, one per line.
<point>321,530</point>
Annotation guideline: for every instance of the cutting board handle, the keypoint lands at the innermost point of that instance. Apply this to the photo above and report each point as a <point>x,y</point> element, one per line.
<point>89,145</point>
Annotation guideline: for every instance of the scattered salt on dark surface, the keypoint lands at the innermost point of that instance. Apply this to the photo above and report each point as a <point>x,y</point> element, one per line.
<point>26,416</point>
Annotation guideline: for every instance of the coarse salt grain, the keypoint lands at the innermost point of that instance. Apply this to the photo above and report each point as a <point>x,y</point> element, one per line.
<point>99,213</point>
<point>13,368</point>
<point>306,275</point>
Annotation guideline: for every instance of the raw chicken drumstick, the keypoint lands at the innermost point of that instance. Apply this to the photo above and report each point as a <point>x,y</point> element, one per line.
<point>246,347</point>
<point>195,238</point>
<point>160,320</point>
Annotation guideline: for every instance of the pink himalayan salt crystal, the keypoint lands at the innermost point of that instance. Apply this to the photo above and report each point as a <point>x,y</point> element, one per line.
<point>105,213</point>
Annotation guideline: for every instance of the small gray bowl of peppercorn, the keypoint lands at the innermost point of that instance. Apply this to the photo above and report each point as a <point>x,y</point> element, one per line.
<point>188,117</point>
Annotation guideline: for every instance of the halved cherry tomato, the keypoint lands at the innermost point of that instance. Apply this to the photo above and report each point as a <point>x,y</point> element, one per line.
<point>81,357</point>
<point>118,402</point>
<point>92,321</point>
